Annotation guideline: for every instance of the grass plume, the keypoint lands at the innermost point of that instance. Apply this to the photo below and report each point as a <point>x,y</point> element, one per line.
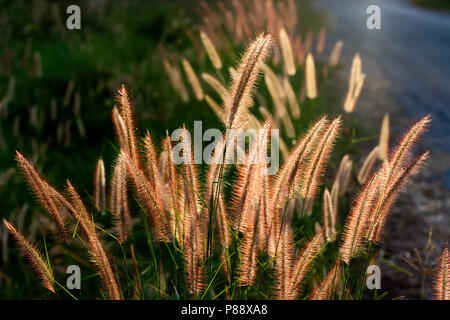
<point>211,50</point>
<point>286,49</point>
<point>243,83</point>
<point>310,77</point>
<point>100,186</point>
<point>40,266</point>
<point>442,277</point>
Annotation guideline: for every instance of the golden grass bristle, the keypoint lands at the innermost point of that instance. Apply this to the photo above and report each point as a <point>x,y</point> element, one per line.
<point>321,40</point>
<point>384,139</point>
<point>335,202</point>
<point>265,113</point>
<point>335,54</point>
<point>192,206</point>
<point>232,72</point>
<point>173,187</point>
<point>314,171</point>
<point>127,115</point>
<point>243,84</point>
<point>262,207</point>
<point>389,195</point>
<point>326,288</point>
<point>346,176</point>
<point>248,251</point>
<point>274,84</point>
<point>401,153</point>
<point>303,262</point>
<point>441,281</point>
<point>283,147</point>
<point>121,131</point>
<point>290,176</point>
<point>39,264</point>
<point>290,209</point>
<point>193,80</point>
<point>93,243</point>
<point>370,212</point>
<point>118,200</point>
<point>253,123</point>
<point>328,216</point>
<point>100,186</point>
<point>310,77</point>
<point>356,82</point>
<point>210,50</point>
<point>194,224</point>
<point>286,50</point>
<point>150,165</point>
<point>193,259</point>
<point>354,230</point>
<point>358,87</point>
<point>150,201</point>
<point>276,91</point>
<point>247,191</point>
<point>44,193</point>
<point>318,228</point>
<point>265,215</point>
<point>216,85</point>
<point>395,173</point>
<point>367,166</point>
<point>190,173</point>
<point>284,266</point>
<point>291,98</point>
<point>355,71</point>
<point>251,204</point>
<point>222,217</point>
<point>176,80</point>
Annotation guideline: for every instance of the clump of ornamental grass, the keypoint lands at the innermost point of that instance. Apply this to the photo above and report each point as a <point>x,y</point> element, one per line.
<point>250,232</point>
<point>371,209</point>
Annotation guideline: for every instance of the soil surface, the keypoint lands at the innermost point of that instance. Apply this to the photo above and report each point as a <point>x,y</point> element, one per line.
<point>407,69</point>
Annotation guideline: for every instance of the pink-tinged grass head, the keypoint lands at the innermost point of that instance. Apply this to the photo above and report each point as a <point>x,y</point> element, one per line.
<point>40,266</point>
<point>441,283</point>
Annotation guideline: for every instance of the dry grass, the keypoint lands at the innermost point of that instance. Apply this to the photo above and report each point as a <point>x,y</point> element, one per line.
<point>172,200</point>
<point>441,281</point>
<point>251,230</point>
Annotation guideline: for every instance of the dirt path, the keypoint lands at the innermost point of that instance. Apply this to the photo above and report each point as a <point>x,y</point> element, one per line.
<point>407,70</point>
